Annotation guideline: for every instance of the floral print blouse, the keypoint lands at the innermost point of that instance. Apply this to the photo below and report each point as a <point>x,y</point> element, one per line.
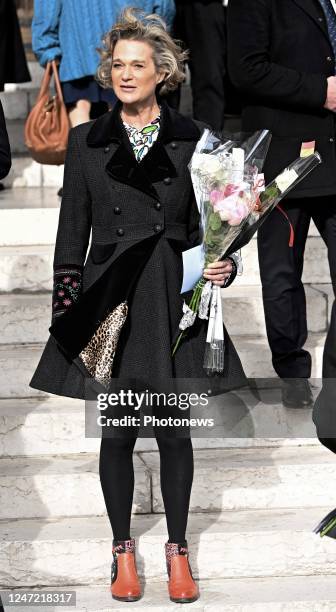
<point>142,139</point>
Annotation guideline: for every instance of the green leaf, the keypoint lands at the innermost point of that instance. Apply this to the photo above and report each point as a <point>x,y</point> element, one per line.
<point>215,222</point>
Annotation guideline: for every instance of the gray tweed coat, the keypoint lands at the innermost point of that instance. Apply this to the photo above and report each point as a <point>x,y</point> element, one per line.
<point>142,216</point>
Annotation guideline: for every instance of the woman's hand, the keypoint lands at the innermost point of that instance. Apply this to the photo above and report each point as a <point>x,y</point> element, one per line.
<point>218,271</point>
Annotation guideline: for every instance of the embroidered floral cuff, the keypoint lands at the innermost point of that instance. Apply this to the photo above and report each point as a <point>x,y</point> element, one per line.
<point>67,288</point>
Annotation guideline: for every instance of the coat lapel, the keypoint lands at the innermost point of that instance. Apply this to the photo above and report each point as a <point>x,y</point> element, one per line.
<point>156,165</point>
<point>313,9</point>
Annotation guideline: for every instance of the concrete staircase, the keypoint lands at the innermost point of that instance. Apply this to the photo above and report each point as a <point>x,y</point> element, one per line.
<point>259,489</point>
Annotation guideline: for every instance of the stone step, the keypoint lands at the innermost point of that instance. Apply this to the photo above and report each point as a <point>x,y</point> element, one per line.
<point>19,226</point>
<point>26,268</point>
<point>232,544</point>
<point>246,479</point>
<point>18,362</point>
<point>224,479</point>
<point>30,487</point>
<point>56,425</point>
<point>26,317</point>
<point>255,355</point>
<point>15,129</point>
<point>17,104</point>
<point>27,173</point>
<point>286,594</point>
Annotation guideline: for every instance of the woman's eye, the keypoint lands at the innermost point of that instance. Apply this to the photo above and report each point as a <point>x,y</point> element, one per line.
<point>138,65</point>
<point>116,65</point>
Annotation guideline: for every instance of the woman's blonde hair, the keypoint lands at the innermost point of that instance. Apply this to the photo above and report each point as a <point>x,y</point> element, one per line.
<point>135,24</point>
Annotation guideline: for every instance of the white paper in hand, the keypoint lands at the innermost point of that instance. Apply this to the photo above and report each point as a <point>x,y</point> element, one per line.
<point>193,265</point>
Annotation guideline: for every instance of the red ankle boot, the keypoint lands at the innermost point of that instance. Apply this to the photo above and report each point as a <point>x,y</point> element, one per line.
<point>125,584</point>
<point>181,586</point>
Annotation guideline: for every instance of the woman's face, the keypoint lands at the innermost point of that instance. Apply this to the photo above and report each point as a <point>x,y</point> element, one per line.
<point>134,75</point>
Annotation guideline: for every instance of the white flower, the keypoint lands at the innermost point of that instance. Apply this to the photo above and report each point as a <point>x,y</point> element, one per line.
<point>208,164</point>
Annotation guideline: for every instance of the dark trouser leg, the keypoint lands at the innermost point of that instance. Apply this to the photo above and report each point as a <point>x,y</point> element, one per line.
<point>201,24</point>
<point>117,481</point>
<point>176,477</point>
<point>283,291</point>
<point>325,219</point>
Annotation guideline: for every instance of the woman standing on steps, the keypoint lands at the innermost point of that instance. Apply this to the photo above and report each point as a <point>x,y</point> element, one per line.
<point>127,179</point>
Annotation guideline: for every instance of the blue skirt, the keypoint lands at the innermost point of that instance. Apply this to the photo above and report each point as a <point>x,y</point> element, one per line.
<point>86,88</point>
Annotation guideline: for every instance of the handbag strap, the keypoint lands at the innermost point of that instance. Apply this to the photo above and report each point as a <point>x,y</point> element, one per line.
<point>45,81</point>
<point>51,68</point>
<point>57,81</point>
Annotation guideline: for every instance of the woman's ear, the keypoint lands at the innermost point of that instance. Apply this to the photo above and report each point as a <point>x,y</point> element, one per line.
<point>162,77</point>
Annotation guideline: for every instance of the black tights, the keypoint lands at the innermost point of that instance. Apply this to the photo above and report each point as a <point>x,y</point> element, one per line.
<point>117,481</point>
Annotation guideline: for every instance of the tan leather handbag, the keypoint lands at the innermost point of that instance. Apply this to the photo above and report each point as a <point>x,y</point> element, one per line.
<point>47,126</point>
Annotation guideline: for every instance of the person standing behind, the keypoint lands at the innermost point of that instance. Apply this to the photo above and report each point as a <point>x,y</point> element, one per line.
<point>13,64</point>
<point>201,25</point>
<point>71,31</point>
<point>5,153</point>
<point>281,56</point>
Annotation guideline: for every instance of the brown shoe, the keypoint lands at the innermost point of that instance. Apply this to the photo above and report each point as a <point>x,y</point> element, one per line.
<point>181,586</point>
<point>125,584</point>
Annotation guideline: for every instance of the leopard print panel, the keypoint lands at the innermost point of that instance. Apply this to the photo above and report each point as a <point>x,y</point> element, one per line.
<point>99,353</point>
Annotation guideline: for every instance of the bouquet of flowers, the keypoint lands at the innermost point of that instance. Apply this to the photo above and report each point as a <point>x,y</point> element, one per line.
<point>233,202</point>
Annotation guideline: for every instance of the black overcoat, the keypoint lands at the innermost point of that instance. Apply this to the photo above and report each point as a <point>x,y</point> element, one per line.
<point>13,64</point>
<point>142,216</point>
<point>5,152</point>
<point>280,56</point>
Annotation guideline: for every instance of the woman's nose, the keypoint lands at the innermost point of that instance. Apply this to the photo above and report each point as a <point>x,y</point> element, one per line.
<point>127,74</point>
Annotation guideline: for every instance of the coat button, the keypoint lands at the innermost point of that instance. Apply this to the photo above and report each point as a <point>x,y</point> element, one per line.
<point>120,231</point>
<point>106,150</point>
<point>157,227</point>
<point>320,19</point>
<point>167,180</point>
<point>117,210</point>
<point>157,206</point>
<point>331,139</point>
<point>329,59</point>
<point>173,145</point>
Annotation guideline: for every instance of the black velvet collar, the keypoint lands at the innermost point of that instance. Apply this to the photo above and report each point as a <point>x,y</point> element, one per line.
<point>156,165</point>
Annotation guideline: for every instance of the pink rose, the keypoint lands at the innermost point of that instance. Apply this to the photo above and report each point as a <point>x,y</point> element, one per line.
<point>66,279</point>
<point>67,302</point>
<point>240,213</point>
<point>215,196</point>
<point>75,284</point>
<point>230,189</point>
<point>226,208</point>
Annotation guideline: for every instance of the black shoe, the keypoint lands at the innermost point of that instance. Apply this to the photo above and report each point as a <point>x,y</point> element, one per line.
<point>296,393</point>
<point>60,193</point>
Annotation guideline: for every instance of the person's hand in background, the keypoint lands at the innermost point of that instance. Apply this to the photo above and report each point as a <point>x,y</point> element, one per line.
<point>330,102</point>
